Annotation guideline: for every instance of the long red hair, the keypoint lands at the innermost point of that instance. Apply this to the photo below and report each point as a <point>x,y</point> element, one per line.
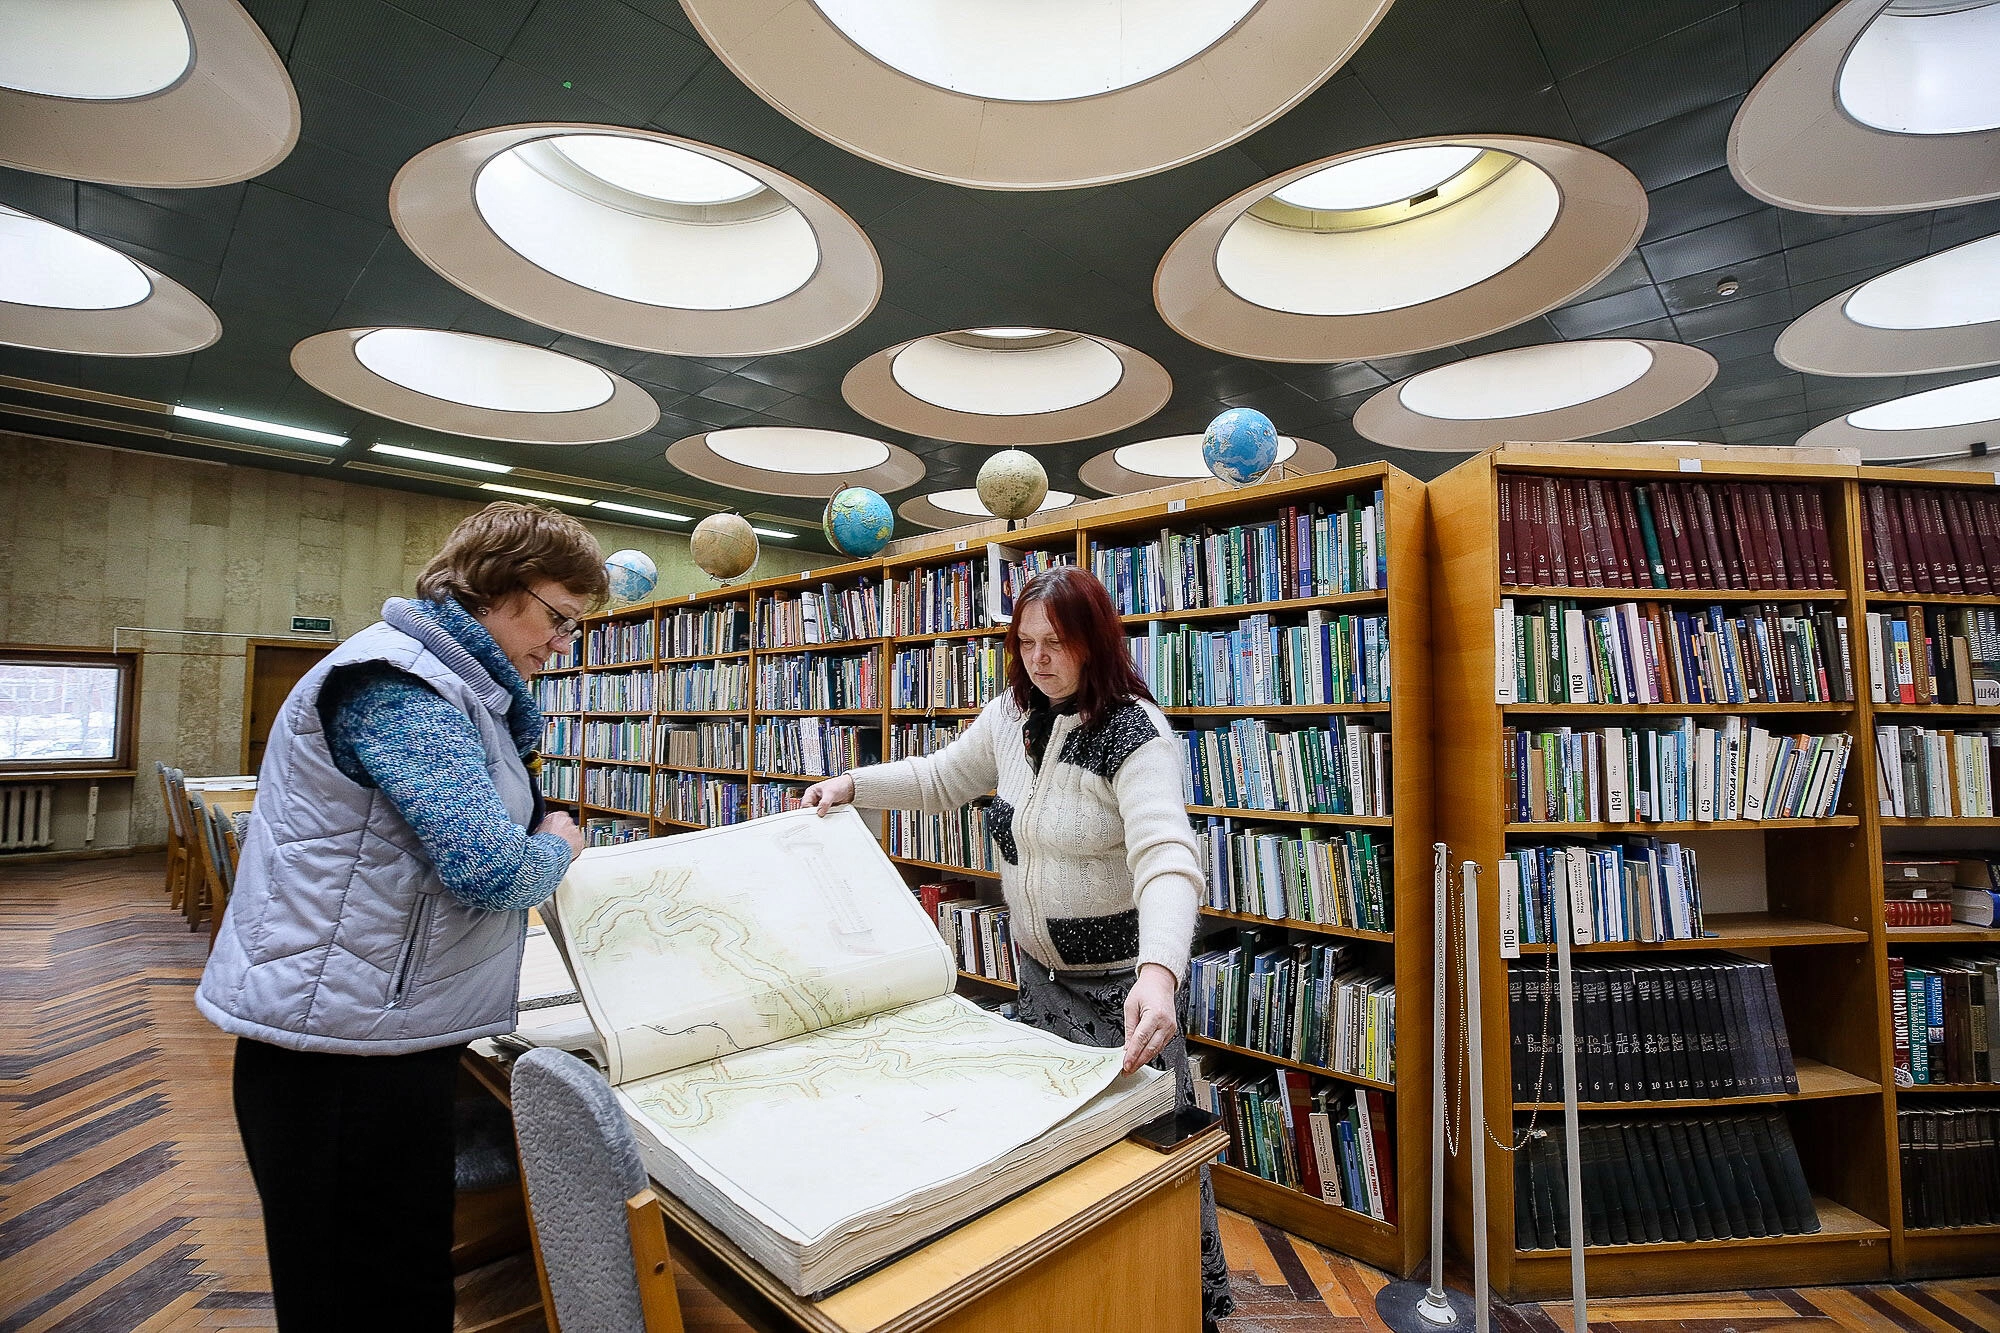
<point>1081,611</point>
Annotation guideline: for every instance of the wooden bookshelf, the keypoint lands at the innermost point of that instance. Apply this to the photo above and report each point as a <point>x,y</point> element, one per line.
<point>1817,924</point>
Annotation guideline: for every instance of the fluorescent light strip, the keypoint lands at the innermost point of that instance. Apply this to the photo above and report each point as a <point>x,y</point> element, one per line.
<point>636,509</point>
<point>536,495</point>
<point>773,532</point>
<point>265,427</point>
<point>447,460</point>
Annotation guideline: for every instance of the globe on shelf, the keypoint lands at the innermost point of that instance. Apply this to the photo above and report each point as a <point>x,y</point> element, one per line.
<point>1240,445</point>
<point>1012,484</point>
<point>858,522</point>
<point>633,575</point>
<point>724,546</point>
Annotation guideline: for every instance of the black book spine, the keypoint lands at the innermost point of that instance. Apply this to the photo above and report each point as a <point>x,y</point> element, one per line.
<point>1524,1194</point>
<point>1760,1203</point>
<point>1702,999</point>
<point>1674,1186</point>
<point>1624,1034</point>
<point>1726,1191</point>
<point>1789,1218</point>
<point>1795,1172</point>
<point>1517,1017</point>
<point>1597,1201</point>
<point>1646,991</point>
<point>1639,1163</point>
<point>1680,1029</point>
<point>1743,1058</point>
<point>1787,1072</point>
<point>1706,1204</point>
<point>1598,1074</point>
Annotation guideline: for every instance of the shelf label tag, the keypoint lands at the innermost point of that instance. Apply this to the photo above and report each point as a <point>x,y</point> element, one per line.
<point>1690,465</point>
<point>958,546</point>
<point>1176,506</point>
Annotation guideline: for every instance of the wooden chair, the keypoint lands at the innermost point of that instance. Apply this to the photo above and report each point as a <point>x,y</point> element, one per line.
<point>177,843</point>
<point>201,876</point>
<point>223,854</point>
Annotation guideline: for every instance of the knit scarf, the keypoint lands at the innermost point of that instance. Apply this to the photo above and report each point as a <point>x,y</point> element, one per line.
<point>462,643</point>
<point>1041,721</point>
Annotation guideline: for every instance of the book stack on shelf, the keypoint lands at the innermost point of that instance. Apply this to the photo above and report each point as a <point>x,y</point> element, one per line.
<point>1930,539</point>
<point>1937,772</point>
<point>1323,1140</point>
<point>1951,1165</point>
<point>1947,1019</point>
<point>1935,655</point>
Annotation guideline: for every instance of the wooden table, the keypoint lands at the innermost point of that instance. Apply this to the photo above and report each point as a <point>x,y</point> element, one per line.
<point>231,803</point>
<point>1112,1244</point>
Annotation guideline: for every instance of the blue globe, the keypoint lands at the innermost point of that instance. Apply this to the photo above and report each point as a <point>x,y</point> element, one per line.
<point>632,574</point>
<point>1240,445</point>
<point>858,522</point>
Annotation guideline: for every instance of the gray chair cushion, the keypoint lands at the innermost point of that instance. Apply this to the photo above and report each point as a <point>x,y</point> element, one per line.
<point>582,1164</point>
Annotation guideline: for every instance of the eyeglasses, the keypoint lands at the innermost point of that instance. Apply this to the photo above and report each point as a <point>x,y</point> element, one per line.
<point>567,626</point>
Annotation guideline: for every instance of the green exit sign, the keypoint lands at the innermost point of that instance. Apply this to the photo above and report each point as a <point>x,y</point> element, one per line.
<point>312,624</point>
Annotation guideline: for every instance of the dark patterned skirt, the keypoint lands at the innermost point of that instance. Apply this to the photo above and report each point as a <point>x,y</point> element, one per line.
<point>1090,1011</point>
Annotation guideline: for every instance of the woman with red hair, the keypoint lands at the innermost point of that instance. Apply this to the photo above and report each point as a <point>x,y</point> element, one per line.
<point>1097,862</point>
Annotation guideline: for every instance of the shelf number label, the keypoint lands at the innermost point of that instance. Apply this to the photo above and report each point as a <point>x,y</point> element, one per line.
<point>1176,506</point>
<point>958,546</point>
<point>1690,465</point>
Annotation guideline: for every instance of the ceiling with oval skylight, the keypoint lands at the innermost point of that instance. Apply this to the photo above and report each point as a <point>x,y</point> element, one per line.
<point>1953,422</point>
<point>108,50</point>
<point>42,264</point>
<point>811,452</point>
<point>794,461</point>
<point>61,291</point>
<point>1146,464</point>
<point>1926,67</point>
<point>1179,456</point>
<point>637,239</point>
<point>1400,248</point>
<point>1957,287</point>
<point>956,508</point>
<point>1953,405</point>
<point>968,502</point>
<point>1937,313</point>
<point>483,372</point>
<point>1009,381</point>
<point>1526,381</point>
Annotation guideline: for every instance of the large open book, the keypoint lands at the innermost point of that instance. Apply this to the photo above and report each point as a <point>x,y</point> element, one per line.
<point>777,1016</point>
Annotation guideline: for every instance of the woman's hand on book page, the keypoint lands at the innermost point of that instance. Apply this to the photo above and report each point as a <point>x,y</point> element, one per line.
<point>825,796</point>
<point>1149,1015</point>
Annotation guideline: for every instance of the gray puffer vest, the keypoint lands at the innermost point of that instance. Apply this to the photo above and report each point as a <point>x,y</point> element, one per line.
<point>339,934</point>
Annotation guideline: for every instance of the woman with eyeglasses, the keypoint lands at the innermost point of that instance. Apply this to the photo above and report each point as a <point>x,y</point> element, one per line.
<point>379,912</point>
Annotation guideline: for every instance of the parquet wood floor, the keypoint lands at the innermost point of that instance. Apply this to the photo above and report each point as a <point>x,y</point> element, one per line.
<point>125,1203</point>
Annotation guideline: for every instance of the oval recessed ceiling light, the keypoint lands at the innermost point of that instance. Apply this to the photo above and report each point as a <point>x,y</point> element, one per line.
<point>637,239</point>
<point>142,92</point>
<point>1939,313</point>
<point>952,509</point>
<point>469,384</point>
<point>794,460</point>
<point>1175,458</point>
<point>1954,405</point>
<point>64,292</point>
<point>1401,248</point>
<point>1551,391</point>
<point>1030,96</point>
<point>1879,108</point>
<point>1009,386</point>
<point>1954,421</point>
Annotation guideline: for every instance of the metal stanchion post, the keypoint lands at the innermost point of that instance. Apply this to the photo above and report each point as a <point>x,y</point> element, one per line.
<point>1475,1098</point>
<point>1572,1148</point>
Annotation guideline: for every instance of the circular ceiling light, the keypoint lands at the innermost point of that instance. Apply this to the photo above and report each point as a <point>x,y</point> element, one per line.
<point>1009,386</point>
<point>1176,458</point>
<point>166,93</point>
<point>1045,94</point>
<point>1939,313</point>
<point>1399,249</point>
<point>469,384</point>
<point>637,239</point>
<point>796,461</point>
<point>1551,391</point>
<point>952,509</point>
<point>64,292</point>
<point>1879,108</point>
<point>1954,405</point>
<point>1957,420</point>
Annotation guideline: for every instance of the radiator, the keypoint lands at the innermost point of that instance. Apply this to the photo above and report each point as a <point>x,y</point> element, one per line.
<point>27,816</point>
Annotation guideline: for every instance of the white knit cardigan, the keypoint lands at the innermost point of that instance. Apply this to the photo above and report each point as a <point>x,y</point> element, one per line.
<point>1097,862</point>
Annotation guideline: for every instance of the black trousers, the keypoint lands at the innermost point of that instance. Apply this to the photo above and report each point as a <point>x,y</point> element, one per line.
<point>353,1159</point>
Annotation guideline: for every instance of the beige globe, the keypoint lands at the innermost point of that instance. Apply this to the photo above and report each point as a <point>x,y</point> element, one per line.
<point>724,547</point>
<point>1012,484</point>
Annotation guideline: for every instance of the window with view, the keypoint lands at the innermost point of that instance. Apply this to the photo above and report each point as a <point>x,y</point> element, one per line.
<point>66,710</point>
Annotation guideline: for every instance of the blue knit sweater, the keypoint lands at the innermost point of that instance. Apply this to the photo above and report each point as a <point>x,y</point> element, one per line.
<point>388,730</point>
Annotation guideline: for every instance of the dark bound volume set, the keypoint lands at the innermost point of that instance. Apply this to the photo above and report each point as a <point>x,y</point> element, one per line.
<point>1951,1164</point>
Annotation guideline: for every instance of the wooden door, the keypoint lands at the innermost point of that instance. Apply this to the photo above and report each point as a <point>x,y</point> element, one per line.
<point>270,670</point>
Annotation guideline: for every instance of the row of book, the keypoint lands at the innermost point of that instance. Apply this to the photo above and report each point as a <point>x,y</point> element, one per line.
<point>1340,769</point>
<point>703,799</point>
<point>1306,551</point>
<point>562,737</point>
<point>1929,539</point>
<point>1946,1015</point>
<point>819,680</point>
<point>1305,1002</point>
<point>1578,532</point>
<point>1560,652</point>
<point>558,694</point>
<point>1937,773</point>
<point>961,837</point>
<point>1631,890</point>
<point>618,692</point>
<point>951,673</point>
<point>1951,1164</point>
<point>1330,659</point>
<point>1344,879</point>
<point>942,598</point>
<point>1935,655</point>
<point>1671,771</point>
<point>981,937</point>
<point>626,741</point>
<point>1965,886</point>
<point>705,687</point>
<point>564,660</point>
<point>815,746</point>
<point>773,798</point>
<point>562,780</point>
<point>722,744</point>
<point>827,615</point>
<point>705,631</point>
<point>1680,1178</point>
<point>1702,1026</point>
<point>618,642</point>
<point>611,830</point>
<point>628,789</point>
<point>1010,571</point>
<point>1330,1142</point>
<point>907,739</point>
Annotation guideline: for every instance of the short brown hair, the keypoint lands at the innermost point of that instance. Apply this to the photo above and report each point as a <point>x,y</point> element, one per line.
<point>505,547</point>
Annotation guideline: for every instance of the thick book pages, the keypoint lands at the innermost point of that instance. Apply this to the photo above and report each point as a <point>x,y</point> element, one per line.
<point>777,1017</point>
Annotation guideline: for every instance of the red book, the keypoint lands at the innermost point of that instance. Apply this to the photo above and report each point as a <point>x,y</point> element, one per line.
<point>1777,541</point>
<point>1576,497</point>
<point>1976,539</point>
<point>1569,542</point>
<point>1871,570</point>
<point>1538,530</point>
<point>1611,533</point>
<point>1986,528</point>
<point>1726,534</point>
<point>1944,559</point>
<point>1385,1165</point>
<point>1911,529</point>
<point>1627,519</point>
<point>1815,509</point>
<point>1890,558</point>
<point>1746,534</point>
<point>1779,514</point>
<point>944,890</point>
<point>1708,573</point>
<point>1791,512</point>
<point>1711,541</point>
<point>1663,529</point>
<point>1958,527</point>
<point>1298,1113</point>
<point>1507,546</point>
<point>1670,496</point>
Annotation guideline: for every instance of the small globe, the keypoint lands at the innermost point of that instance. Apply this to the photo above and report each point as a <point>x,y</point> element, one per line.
<point>724,546</point>
<point>1240,445</point>
<point>1012,484</point>
<point>858,522</point>
<point>633,575</point>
